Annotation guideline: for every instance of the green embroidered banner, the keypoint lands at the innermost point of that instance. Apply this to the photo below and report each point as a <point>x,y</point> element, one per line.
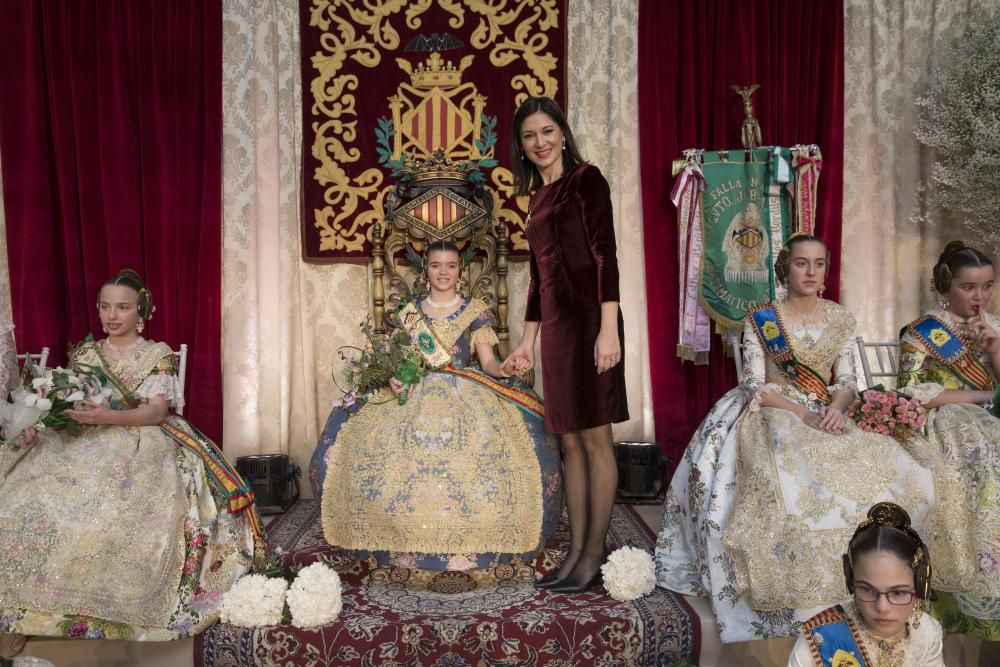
<point>746,216</point>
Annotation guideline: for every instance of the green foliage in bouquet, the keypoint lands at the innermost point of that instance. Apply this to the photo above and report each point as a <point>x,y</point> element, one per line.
<point>368,369</point>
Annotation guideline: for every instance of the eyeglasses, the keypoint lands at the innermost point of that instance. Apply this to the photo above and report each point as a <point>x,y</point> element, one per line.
<point>866,593</point>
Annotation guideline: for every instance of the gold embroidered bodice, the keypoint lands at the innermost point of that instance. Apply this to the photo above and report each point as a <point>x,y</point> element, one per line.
<point>827,348</point>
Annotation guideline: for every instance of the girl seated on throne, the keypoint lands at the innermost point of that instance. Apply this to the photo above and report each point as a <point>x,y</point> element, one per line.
<point>460,476</point>
<point>134,528</point>
<point>776,477</point>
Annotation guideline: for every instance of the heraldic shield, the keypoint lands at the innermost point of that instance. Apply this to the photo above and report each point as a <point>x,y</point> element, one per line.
<point>441,194</point>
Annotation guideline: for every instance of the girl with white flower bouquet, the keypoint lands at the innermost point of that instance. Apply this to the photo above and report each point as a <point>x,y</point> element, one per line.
<point>169,526</point>
<point>465,473</point>
<point>777,477</point>
<point>42,400</point>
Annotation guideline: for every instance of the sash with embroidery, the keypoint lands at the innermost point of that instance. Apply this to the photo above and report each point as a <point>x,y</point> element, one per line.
<point>221,475</point>
<point>947,347</point>
<point>834,640</point>
<point>435,354</point>
<point>771,334</point>
<point>523,399</point>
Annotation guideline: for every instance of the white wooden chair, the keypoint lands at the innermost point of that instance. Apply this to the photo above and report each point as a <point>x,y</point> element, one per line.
<point>182,354</point>
<point>738,357</point>
<point>40,359</point>
<point>879,361</point>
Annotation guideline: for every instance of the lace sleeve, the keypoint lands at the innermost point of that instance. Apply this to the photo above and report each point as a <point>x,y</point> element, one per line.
<point>483,334</point>
<point>163,381</point>
<point>754,369</point>
<point>845,369</point>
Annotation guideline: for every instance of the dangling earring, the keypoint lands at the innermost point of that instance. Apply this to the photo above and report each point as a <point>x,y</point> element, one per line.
<point>140,326</point>
<point>564,144</point>
<point>522,155</point>
<point>104,329</point>
<point>821,288</point>
<point>916,614</point>
<point>943,302</point>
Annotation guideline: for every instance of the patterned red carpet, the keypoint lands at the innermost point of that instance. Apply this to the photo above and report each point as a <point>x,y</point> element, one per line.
<point>399,617</point>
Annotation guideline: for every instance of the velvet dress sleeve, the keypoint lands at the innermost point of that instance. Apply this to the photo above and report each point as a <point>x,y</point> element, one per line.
<point>598,224</point>
<point>533,309</point>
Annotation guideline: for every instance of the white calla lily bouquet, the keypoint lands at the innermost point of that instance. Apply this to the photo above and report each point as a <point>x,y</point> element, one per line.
<point>44,397</point>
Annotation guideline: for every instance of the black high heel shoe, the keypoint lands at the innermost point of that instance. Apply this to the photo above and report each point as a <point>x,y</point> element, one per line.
<point>572,585</point>
<point>549,580</point>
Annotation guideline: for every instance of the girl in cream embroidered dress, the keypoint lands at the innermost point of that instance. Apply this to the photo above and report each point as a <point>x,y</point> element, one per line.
<point>761,504</point>
<point>457,478</point>
<point>115,533</point>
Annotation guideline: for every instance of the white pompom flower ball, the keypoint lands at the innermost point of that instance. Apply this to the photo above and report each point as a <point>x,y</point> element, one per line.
<point>315,596</point>
<point>629,574</point>
<point>254,600</point>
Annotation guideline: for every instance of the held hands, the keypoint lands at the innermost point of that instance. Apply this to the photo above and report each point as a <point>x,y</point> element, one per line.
<point>607,350</point>
<point>519,362</point>
<point>91,414</point>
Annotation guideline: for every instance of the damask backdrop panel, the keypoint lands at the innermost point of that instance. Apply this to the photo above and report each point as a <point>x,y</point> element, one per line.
<point>891,240</point>
<point>387,80</point>
<point>603,113</point>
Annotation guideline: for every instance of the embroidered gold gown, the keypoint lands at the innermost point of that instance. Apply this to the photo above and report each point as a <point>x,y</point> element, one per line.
<point>966,456</point>
<point>117,533</point>
<point>458,478</point>
<point>761,506</point>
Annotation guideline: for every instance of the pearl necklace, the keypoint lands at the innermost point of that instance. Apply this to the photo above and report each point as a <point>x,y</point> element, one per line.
<point>442,306</point>
<point>123,350</point>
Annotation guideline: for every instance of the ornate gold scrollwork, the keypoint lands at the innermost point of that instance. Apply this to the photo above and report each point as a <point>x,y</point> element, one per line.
<point>361,31</point>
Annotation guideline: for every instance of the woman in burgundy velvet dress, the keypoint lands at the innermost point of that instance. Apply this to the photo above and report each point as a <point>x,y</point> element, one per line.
<point>573,298</point>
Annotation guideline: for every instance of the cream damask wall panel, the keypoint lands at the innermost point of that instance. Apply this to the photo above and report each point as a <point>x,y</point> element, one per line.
<point>282,318</point>
<point>888,246</point>
<point>602,101</point>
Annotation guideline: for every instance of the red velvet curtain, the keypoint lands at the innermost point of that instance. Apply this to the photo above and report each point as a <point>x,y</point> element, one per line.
<point>689,54</point>
<point>110,141</point>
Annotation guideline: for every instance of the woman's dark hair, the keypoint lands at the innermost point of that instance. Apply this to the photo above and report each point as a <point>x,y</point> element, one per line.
<point>888,529</point>
<point>526,176</point>
<point>955,257</point>
<point>131,279</point>
<point>783,265</point>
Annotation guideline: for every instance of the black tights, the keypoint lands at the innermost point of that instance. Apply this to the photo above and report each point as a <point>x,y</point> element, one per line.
<point>590,476</point>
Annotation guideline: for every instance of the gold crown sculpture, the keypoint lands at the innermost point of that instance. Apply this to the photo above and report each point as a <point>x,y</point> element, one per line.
<point>436,73</point>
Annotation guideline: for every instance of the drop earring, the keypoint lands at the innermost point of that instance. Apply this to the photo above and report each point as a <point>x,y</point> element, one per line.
<point>821,288</point>
<point>564,144</point>
<point>918,611</point>
<point>140,326</point>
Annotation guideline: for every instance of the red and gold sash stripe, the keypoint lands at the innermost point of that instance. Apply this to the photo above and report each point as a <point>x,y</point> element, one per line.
<point>238,493</point>
<point>522,399</point>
